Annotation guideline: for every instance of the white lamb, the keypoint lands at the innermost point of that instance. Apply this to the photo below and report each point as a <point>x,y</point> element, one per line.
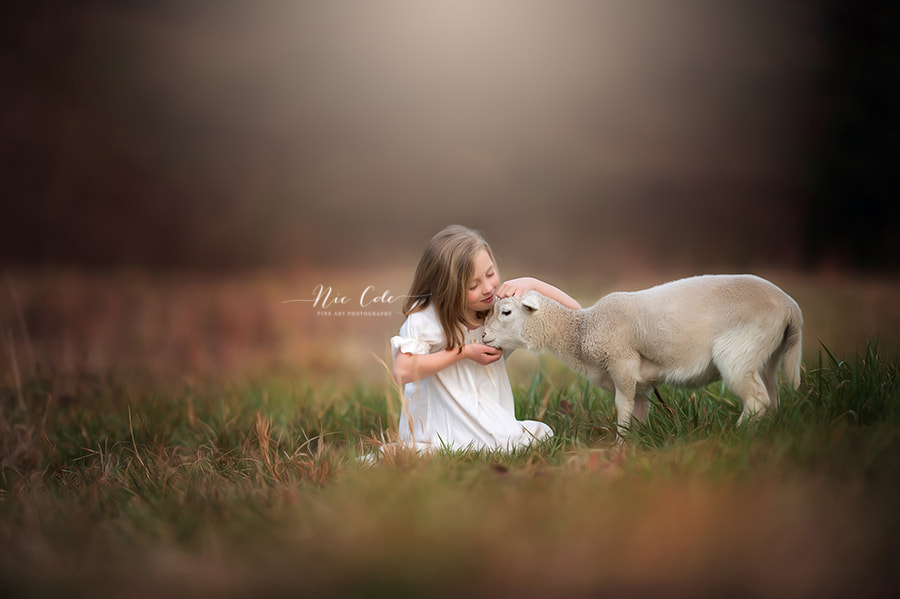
<point>690,332</point>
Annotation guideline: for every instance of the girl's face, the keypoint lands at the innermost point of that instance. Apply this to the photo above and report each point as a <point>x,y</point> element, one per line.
<point>482,285</point>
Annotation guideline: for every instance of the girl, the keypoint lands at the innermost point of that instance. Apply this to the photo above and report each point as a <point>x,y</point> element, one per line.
<point>457,390</point>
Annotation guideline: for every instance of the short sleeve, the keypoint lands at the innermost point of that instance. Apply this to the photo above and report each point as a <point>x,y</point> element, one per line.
<point>420,334</point>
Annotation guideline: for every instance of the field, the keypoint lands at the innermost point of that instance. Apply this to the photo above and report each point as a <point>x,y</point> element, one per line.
<point>187,437</point>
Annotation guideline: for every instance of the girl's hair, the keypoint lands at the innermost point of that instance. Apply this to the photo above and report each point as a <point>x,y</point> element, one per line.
<point>442,277</point>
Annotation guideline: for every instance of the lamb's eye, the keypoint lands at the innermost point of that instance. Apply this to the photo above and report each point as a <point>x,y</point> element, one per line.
<point>505,312</point>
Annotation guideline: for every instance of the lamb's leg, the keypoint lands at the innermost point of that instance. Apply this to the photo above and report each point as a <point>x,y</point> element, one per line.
<point>641,406</point>
<point>752,390</point>
<point>625,403</point>
<point>624,376</point>
<point>770,377</point>
<point>742,358</point>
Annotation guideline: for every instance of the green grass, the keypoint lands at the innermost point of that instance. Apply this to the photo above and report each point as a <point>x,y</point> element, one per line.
<point>114,487</point>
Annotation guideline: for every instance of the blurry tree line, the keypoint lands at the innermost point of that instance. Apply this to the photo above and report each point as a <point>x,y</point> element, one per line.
<point>97,169</point>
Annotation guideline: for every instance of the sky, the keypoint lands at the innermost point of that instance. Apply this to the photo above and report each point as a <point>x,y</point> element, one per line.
<point>225,134</point>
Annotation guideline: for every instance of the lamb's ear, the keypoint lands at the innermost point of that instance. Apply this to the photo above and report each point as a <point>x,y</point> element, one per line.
<point>530,302</point>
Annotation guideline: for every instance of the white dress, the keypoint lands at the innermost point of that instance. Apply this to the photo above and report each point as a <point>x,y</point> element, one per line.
<point>465,405</point>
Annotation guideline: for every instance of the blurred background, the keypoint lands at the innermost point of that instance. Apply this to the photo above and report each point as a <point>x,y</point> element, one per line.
<point>172,171</point>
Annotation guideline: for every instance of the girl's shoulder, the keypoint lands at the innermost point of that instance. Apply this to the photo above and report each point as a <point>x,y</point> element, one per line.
<point>421,333</point>
<point>427,317</point>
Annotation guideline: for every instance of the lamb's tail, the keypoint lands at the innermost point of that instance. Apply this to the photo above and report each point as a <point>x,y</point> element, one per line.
<point>793,346</point>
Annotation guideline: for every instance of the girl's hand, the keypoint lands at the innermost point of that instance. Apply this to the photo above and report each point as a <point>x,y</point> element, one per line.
<point>482,354</point>
<point>515,287</point>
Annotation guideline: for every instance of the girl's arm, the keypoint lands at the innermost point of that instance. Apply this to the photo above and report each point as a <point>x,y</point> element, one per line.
<point>523,284</point>
<point>415,367</point>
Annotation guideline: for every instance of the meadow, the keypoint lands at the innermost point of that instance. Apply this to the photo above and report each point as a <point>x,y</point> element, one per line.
<point>185,437</point>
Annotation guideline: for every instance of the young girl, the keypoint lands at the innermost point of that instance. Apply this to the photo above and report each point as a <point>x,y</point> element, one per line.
<point>457,390</point>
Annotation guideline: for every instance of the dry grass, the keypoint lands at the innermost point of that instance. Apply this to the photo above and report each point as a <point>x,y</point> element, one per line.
<point>197,437</point>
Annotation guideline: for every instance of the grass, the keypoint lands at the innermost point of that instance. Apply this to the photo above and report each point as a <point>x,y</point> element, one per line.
<point>117,486</point>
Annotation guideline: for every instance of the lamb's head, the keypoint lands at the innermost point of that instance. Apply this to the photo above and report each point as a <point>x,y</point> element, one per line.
<point>512,323</point>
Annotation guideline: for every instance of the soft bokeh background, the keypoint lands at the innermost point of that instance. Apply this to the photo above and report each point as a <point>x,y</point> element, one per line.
<point>173,171</point>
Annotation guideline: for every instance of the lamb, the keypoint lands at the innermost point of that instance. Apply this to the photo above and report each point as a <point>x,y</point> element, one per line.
<point>689,332</point>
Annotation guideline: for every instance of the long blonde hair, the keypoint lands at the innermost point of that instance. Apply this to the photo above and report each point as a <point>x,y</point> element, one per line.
<point>442,278</point>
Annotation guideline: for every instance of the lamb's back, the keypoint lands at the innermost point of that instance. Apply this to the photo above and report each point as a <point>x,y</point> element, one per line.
<point>678,321</point>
